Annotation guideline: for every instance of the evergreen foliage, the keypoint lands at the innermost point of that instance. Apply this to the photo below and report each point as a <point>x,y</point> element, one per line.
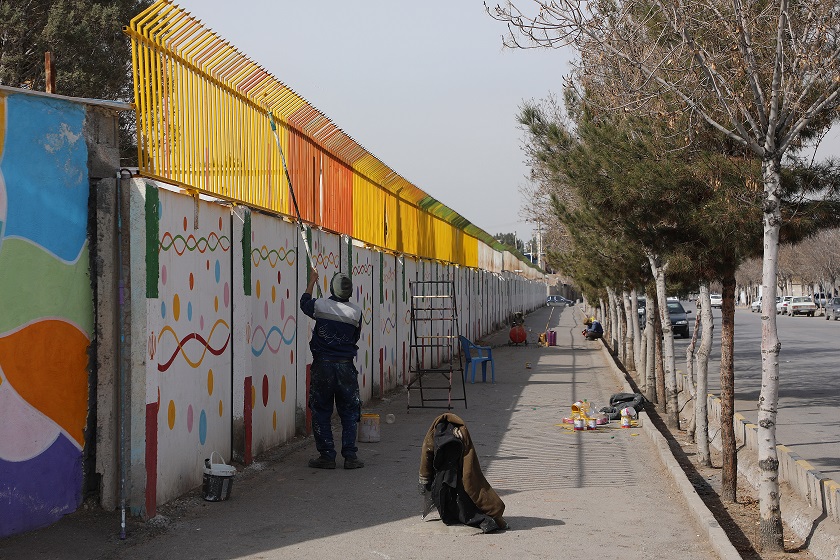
<point>91,55</point>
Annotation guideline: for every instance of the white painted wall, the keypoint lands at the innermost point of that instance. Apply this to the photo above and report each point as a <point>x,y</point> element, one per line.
<point>207,335</point>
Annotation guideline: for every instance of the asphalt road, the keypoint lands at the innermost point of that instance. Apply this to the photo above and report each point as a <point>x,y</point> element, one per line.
<point>809,391</point>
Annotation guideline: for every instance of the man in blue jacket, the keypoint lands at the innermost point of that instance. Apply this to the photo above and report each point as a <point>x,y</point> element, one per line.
<point>334,379</point>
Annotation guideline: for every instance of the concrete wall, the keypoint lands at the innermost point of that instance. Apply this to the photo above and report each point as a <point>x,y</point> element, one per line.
<point>165,324</point>
<point>226,365</point>
<point>189,376</point>
<point>47,144</point>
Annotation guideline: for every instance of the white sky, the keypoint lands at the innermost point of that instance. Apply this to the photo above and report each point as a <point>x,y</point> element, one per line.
<point>424,86</point>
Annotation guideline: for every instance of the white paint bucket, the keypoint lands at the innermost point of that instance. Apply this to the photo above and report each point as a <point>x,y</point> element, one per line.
<point>369,428</point>
<point>218,479</point>
<point>579,424</point>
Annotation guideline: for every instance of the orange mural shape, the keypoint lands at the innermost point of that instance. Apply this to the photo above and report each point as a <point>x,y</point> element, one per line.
<point>46,363</point>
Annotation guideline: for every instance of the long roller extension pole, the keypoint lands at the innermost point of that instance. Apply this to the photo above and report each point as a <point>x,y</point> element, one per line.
<point>291,190</point>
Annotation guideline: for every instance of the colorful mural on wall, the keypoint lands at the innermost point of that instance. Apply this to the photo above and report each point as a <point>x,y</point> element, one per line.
<point>407,273</point>
<point>362,274</point>
<point>47,315</point>
<point>385,320</point>
<point>270,355</point>
<point>188,376</point>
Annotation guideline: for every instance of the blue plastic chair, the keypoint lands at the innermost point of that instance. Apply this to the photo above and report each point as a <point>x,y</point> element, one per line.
<point>483,355</point>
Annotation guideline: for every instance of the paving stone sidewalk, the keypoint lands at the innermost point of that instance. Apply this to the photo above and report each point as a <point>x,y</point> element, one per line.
<point>601,493</point>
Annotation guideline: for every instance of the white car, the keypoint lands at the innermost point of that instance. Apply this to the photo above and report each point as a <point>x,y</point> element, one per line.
<point>716,300</point>
<point>755,306</point>
<point>802,305</point>
<point>782,305</point>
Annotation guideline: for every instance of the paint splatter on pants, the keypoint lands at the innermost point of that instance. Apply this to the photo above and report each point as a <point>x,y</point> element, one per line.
<point>334,382</point>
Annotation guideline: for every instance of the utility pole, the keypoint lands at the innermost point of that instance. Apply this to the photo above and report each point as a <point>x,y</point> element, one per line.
<point>539,245</point>
<point>50,72</point>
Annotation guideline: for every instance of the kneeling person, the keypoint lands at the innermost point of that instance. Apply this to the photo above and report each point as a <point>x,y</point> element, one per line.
<point>594,330</point>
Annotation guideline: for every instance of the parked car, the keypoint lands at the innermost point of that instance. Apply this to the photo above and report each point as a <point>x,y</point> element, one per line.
<point>556,301</point>
<point>755,306</point>
<point>641,303</point>
<point>832,309</point>
<point>716,300</point>
<point>782,304</point>
<point>802,305</point>
<point>679,318</point>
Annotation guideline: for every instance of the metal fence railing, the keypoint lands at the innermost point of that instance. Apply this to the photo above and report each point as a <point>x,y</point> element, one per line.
<point>202,123</point>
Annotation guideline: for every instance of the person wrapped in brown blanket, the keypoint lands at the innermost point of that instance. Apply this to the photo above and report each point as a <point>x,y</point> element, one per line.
<point>451,479</point>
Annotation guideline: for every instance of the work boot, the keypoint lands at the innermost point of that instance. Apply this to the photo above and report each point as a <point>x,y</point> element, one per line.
<point>353,463</point>
<point>322,462</point>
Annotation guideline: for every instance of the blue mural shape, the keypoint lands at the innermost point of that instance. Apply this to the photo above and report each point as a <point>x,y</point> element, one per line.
<point>45,168</point>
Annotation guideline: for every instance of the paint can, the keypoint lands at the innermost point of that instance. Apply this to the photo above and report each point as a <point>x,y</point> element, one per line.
<point>626,415</point>
<point>369,428</point>
<point>591,424</point>
<point>218,479</point>
<point>580,425</point>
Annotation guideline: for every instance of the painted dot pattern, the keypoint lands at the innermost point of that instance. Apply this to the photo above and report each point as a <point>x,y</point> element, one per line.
<point>194,292</point>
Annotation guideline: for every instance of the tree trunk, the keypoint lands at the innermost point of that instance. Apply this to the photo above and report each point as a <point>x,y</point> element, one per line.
<point>620,328</point>
<point>701,415</point>
<point>639,359</point>
<point>657,341</point>
<point>729,475</point>
<point>629,333</point>
<point>605,319</point>
<point>650,358</point>
<point>771,535</point>
<point>641,363</point>
<point>615,324</point>
<point>672,407</point>
<point>688,378</point>
<point>613,321</point>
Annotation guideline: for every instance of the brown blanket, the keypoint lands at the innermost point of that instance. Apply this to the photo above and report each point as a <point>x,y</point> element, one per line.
<point>475,485</point>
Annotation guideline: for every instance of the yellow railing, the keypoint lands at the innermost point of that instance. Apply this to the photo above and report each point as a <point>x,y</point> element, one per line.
<point>202,123</point>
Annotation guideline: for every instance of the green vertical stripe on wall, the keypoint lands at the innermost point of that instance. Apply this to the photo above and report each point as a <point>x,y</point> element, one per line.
<point>246,254</point>
<point>152,241</point>
<point>404,296</point>
<point>308,260</point>
<point>381,278</point>
<point>350,258</point>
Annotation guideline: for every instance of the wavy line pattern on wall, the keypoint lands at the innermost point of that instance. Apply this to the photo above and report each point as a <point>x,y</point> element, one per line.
<point>181,343</point>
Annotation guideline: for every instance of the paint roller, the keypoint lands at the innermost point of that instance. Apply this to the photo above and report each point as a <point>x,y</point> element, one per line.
<point>302,228</point>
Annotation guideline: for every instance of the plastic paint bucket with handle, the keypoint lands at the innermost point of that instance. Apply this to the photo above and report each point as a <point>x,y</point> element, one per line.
<point>369,428</point>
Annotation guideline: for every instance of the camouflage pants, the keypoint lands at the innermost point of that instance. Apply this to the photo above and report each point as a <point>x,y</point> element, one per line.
<point>334,382</point>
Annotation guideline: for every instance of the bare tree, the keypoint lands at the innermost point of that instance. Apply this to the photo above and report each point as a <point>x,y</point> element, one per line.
<point>763,74</point>
<point>828,242</point>
<point>701,433</point>
<point>786,269</point>
<point>748,277</point>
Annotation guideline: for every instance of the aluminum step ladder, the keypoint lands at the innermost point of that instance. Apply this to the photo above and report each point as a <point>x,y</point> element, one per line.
<point>435,359</point>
